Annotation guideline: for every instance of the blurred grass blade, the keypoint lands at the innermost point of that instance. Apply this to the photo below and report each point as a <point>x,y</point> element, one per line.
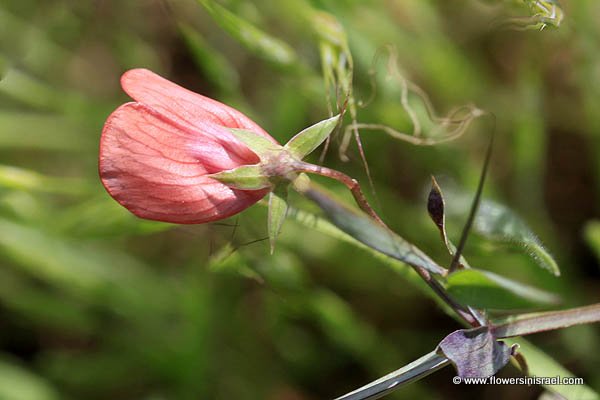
<point>103,218</point>
<point>371,233</point>
<point>592,236</point>
<point>66,264</point>
<point>484,289</point>
<point>17,383</point>
<point>36,131</point>
<point>498,223</point>
<point>50,259</point>
<point>39,95</point>
<point>541,364</point>
<point>213,64</point>
<point>3,67</point>
<point>26,206</point>
<point>23,179</point>
<point>33,47</point>
<point>43,305</point>
<point>255,40</point>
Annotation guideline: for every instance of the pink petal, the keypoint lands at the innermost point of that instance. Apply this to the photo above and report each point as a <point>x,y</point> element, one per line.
<point>156,167</point>
<point>184,106</point>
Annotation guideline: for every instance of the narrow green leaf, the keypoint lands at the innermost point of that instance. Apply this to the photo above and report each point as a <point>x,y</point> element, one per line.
<point>371,233</point>
<point>255,40</point>
<point>255,142</point>
<point>498,223</point>
<point>246,177</point>
<point>277,212</point>
<point>305,142</point>
<point>484,289</point>
<point>322,225</point>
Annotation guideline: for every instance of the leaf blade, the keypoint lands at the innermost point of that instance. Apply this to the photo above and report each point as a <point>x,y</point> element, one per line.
<point>485,289</point>
<point>500,224</point>
<point>371,233</point>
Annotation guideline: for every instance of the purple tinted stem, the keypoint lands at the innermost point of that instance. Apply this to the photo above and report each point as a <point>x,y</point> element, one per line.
<point>527,324</point>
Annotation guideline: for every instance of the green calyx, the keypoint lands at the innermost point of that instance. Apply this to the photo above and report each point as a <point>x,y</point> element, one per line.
<point>277,168</point>
<point>278,163</point>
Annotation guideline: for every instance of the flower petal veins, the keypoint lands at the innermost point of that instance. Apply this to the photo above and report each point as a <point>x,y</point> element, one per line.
<point>155,153</point>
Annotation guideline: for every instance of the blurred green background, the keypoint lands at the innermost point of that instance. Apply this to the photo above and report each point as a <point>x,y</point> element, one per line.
<point>97,304</point>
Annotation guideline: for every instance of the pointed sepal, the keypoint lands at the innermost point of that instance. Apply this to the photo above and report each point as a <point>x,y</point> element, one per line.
<point>246,177</point>
<point>310,138</point>
<point>258,144</point>
<point>277,211</point>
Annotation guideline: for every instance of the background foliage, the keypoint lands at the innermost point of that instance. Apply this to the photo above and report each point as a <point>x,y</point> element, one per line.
<point>97,304</point>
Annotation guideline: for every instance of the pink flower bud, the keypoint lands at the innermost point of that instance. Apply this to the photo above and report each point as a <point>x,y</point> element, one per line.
<point>155,153</point>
